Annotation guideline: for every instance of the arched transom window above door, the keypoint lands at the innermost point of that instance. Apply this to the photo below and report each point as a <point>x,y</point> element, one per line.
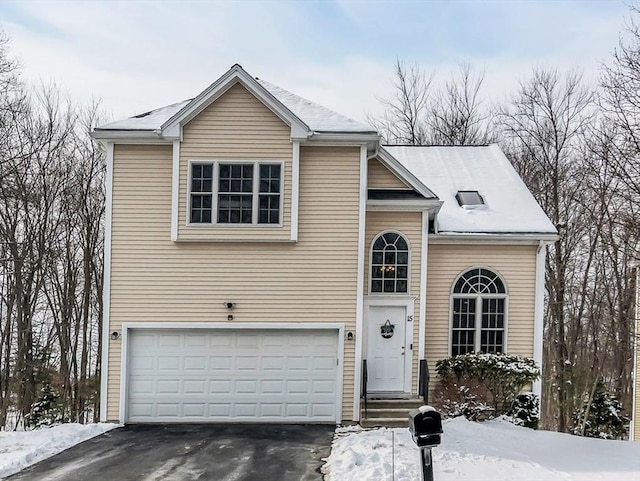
<point>478,312</point>
<point>389,264</point>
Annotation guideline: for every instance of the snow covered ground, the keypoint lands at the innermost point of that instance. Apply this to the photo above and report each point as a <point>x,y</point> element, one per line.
<point>493,451</point>
<point>19,449</point>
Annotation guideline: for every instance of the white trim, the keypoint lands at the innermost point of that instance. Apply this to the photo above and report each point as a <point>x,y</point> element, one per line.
<point>175,189</point>
<point>538,317</point>
<point>106,284</point>
<point>408,302</point>
<point>422,312</point>
<point>486,238</point>
<point>404,174</point>
<point>147,137</point>
<point>295,189</point>
<point>234,75</point>
<point>362,212</point>
<point>128,326</point>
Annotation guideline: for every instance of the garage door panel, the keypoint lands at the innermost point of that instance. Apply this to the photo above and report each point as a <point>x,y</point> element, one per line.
<point>219,375</point>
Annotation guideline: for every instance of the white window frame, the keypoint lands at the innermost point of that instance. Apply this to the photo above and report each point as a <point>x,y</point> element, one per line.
<point>370,265</point>
<point>255,192</point>
<point>478,311</point>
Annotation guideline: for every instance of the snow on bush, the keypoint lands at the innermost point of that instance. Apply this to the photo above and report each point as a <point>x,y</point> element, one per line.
<point>480,386</point>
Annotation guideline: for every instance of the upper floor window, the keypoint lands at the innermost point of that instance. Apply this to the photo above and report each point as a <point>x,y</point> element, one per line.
<point>478,312</point>
<point>235,193</point>
<point>389,264</point>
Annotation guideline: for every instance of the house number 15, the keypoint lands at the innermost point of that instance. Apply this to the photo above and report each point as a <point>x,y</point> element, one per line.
<point>409,318</point>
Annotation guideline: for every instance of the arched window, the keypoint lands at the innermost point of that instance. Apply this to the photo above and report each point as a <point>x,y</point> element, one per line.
<point>389,264</point>
<point>478,312</point>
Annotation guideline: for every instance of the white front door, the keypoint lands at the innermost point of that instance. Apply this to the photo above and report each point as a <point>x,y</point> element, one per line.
<point>386,354</point>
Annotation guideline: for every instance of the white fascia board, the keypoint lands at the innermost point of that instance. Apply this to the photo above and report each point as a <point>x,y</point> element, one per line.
<point>404,205</point>
<point>130,136</point>
<point>538,316</point>
<point>106,285</point>
<point>299,130</point>
<point>482,238</point>
<point>344,138</point>
<point>404,174</point>
<point>359,340</point>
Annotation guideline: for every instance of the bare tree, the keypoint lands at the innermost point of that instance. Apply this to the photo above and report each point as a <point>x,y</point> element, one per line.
<point>542,129</point>
<point>621,101</point>
<point>456,115</point>
<point>403,121</point>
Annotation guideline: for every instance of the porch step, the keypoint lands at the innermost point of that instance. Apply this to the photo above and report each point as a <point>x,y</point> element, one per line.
<point>384,422</point>
<point>388,412</point>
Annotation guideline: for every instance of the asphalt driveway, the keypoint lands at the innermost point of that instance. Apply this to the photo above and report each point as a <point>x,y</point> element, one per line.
<point>185,452</point>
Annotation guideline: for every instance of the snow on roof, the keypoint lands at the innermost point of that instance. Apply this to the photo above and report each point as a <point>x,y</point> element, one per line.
<point>317,117</point>
<point>509,206</point>
<point>152,120</point>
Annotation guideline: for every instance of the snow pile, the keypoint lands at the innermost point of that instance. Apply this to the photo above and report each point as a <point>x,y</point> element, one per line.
<point>493,451</point>
<point>19,449</point>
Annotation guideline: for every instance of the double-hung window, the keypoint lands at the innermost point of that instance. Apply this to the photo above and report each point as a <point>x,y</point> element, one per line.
<point>478,312</point>
<point>235,193</point>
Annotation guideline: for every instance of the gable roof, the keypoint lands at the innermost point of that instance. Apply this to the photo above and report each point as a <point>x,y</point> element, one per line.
<point>509,206</point>
<point>306,118</point>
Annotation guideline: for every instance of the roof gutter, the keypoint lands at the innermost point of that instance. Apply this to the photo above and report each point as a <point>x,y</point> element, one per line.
<point>492,238</point>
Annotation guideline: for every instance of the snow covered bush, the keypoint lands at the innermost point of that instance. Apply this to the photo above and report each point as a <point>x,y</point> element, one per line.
<point>480,386</point>
<point>600,417</point>
<point>525,410</point>
<point>47,410</point>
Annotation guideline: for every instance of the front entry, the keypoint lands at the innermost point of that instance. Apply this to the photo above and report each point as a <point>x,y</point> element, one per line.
<point>386,349</point>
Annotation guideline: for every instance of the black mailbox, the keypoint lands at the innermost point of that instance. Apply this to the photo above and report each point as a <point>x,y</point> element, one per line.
<point>425,425</point>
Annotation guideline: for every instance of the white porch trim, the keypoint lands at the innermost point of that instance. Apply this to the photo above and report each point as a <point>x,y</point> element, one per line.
<point>359,340</point>
<point>106,285</point>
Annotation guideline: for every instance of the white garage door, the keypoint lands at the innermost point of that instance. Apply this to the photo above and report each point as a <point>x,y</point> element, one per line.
<point>232,375</point>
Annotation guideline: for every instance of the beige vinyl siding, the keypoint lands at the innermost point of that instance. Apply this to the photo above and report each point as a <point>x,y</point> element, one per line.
<point>156,280</point>
<point>237,126</point>
<point>409,224</point>
<point>516,265</point>
<point>379,177</point>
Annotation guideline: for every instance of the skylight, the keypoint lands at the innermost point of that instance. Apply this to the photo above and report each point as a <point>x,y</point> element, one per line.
<point>469,198</point>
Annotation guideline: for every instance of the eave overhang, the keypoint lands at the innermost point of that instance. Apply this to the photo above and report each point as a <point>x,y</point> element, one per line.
<point>492,238</point>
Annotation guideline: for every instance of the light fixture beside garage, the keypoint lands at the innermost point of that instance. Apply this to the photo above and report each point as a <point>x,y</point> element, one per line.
<point>229,305</point>
<point>115,335</point>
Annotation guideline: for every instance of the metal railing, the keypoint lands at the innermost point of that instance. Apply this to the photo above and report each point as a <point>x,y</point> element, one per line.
<point>363,389</point>
<point>423,381</point>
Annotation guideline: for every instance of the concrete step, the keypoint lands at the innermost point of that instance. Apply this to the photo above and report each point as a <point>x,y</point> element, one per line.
<point>411,403</point>
<point>388,412</point>
<point>384,422</point>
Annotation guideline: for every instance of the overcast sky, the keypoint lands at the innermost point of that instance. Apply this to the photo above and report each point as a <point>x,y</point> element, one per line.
<point>138,55</point>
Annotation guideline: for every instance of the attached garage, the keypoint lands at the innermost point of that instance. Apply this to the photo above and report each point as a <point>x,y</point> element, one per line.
<point>231,374</point>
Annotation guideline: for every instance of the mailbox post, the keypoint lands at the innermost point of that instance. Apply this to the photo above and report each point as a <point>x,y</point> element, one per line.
<point>425,424</point>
